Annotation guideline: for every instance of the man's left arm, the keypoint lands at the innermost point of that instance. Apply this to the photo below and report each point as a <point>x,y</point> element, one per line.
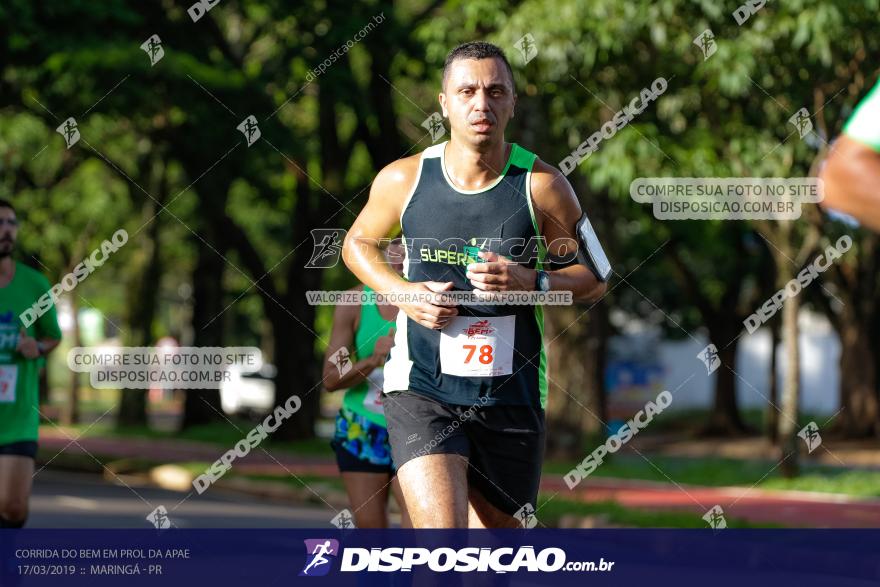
<point>47,334</point>
<point>557,212</point>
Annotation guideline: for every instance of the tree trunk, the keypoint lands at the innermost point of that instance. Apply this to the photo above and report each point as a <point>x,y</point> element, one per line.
<point>292,322</point>
<point>299,372</point>
<point>788,422</point>
<point>132,408</point>
<point>858,383</point>
<point>725,418</point>
<point>202,406</point>
<point>70,416</point>
<point>576,403</point>
<point>771,420</point>
<point>299,366</point>
<point>724,324</point>
<point>142,300</point>
<point>599,331</point>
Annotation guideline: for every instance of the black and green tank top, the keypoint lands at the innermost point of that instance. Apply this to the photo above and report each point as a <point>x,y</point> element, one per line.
<point>443,228</point>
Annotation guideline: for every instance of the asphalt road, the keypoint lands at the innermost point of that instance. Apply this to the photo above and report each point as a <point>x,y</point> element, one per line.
<point>77,500</point>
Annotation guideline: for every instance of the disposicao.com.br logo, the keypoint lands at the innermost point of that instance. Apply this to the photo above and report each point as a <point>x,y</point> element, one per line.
<point>440,560</point>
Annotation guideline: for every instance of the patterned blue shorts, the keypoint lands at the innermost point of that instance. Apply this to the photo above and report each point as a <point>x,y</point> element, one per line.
<point>362,438</point>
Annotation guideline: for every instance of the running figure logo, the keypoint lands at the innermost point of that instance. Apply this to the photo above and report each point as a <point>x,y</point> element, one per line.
<point>342,360</point>
<point>153,49</point>
<point>709,356</point>
<point>706,42</point>
<point>434,124</point>
<point>810,434</point>
<point>801,121</point>
<point>249,129</point>
<point>159,518</point>
<point>527,48</point>
<point>526,516</point>
<point>317,553</point>
<point>69,131</point>
<point>715,518</point>
<point>326,248</point>
<point>343,520</point>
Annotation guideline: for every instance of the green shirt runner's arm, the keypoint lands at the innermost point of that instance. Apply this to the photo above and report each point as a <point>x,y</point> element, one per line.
<point>864,124</point>
<point>342,339</point>
<point>46,329</point>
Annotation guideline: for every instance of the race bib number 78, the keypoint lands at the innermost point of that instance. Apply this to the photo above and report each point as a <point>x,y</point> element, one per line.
<point>473,346</point>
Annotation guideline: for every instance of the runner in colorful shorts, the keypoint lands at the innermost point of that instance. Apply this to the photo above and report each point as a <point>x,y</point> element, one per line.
<point>466,385</point>
<point>28,331</point>
<point>360,442</point>
<point>852,170</point>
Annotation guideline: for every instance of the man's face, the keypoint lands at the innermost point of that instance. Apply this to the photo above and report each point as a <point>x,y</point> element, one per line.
<point>8,231</point>
<point>478,99</point>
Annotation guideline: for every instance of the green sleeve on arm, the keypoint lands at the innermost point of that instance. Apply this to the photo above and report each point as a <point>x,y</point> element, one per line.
<point>47,324</point>
<point>864,124</point>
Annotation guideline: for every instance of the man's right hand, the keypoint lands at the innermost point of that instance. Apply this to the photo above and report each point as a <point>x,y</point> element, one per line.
<point>430,315</point>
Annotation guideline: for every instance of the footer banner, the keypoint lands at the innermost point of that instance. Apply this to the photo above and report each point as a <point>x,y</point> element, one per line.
<point>267,558</point>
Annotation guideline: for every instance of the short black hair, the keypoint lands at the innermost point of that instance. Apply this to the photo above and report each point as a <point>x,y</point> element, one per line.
<point>475,50</point>
<point>7,204</point>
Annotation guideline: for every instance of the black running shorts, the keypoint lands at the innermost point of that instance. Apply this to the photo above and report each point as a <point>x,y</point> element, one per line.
<point>26,448</point>
<point>504,444</point>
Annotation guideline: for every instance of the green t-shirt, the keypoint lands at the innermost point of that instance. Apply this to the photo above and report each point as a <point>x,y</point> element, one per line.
<point>366,398</point>
<point>864,124</point>
<point>19,377</point>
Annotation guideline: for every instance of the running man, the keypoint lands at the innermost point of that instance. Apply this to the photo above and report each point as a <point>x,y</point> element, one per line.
<point>360,442</point>
<point>21,357</point>
<point>320,559</point>
<point>852,171</point>
<point>466,386</point>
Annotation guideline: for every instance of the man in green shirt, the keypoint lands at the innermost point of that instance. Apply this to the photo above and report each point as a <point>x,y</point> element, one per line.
<point>852,171</point>
<point>22,349</point>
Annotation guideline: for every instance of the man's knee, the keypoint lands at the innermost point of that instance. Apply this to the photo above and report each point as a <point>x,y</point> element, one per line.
<point>435,490</point>
<point>487,515</point>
